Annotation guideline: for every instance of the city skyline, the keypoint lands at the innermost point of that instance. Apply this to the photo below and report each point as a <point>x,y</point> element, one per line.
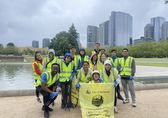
<point>24,21</point>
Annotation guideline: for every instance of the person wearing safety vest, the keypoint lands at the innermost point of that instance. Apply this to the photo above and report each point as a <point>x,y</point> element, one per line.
<point>127,71</point>
<point>82,57</point>
<point>103,58</point>
<point>97,49</point>
<point>96,78</point>
<point>49,88</point>
<point>74,56</point>
<point>37,67</point>
<point>49,60</point>
<point>110,75</point>
<point>94,61</point>
<point>67,73</point>
<point>115,62</point>
<point>84,75</point>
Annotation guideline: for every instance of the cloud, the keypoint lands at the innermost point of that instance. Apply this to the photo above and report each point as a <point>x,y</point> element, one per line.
<point>25,20</point>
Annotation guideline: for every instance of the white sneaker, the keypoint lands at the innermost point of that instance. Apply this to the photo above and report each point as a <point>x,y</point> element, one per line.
<point>133,104</point>
<point>115,109</point>
<point>126,101</point>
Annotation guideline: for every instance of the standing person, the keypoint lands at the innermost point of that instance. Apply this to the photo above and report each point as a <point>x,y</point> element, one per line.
<point>110,75</point>
<point>97,49</point>
<point>67,73</point>
<point>49,60</point>
<point>37,67</point>
<point>74,56</point>
<point>49,84</point>
<point>115,63</point>
<point>82,57</point>
<point>103,58</point>
<point>127,71</point>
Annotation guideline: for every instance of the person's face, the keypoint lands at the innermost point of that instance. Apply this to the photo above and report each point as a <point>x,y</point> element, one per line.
<point>107,67</point>
<point>38,56</point>
<point>97,45</point>
<point>85,66</point>
<point>103,57</point>
<point>113,53</point>
<point>55,69</point>
<point>67,59</point>
<point>82,52</point>
<point>96,76</point>
<point>51,55</point>
<point>125,53</point>
<point>95,57</point>
<point>73,50</point>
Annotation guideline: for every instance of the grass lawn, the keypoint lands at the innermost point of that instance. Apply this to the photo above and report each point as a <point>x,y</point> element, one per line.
<point>159,62</point>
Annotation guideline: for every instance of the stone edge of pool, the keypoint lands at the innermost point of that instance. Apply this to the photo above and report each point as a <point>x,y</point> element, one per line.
<point>30,92</point>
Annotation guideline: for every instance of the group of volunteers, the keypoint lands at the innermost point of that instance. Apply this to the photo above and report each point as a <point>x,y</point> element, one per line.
<point>55,75</point>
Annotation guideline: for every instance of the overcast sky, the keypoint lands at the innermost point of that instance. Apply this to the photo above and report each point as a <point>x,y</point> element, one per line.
<point>22,21</point>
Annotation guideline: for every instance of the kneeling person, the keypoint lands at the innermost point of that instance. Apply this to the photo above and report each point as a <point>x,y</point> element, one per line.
<point>49,81</point>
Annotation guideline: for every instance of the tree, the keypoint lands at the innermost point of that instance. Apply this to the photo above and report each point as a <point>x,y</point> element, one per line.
<point>10,44</point>
<point>1,48</point>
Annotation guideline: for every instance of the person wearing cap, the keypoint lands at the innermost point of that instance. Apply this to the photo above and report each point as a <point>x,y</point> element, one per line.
<point>82,57</point>
<point>49,60</point>
<point>115,63</point>
<point>37,67</point>
<point>67,73</point>
<point>110,75</point>
<point>49,88</point>
<point>96,78</point>
<point>127,70</point>
<point>94,61</point>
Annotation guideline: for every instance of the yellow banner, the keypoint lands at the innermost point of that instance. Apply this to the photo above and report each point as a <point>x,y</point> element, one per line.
<point>97,100</point>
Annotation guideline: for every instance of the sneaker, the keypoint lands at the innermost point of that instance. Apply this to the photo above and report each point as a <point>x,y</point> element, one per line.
<point>38,100</point>
<point>49,109</point>
<point>115,109</point>
<point>46,114</point>
<point>133,104</point>
<point>126,101</point>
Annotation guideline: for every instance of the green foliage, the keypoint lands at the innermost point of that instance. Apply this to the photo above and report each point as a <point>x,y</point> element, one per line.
<point>63,41</point>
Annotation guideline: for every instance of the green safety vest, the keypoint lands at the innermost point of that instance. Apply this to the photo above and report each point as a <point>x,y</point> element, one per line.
<point>111,78</point>
<point>126,69</point>
<point>65,71</point>
<point>49,63</point>
<point>35,75</point>
<point>50,80</point>
<point>84,78</point>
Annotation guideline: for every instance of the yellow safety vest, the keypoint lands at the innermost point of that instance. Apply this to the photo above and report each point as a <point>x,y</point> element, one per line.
<point>114,63</point>
<point>49,63</point>
<point>84,78</point>
<point>111,78</point>
<point>36,76</point>
<point>50,80</point>
<point>65,71</point>
<point>86,58</point>
<point>126,69</point>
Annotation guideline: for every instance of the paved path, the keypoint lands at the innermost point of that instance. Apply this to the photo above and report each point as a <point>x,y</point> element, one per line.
<point>150,104</point>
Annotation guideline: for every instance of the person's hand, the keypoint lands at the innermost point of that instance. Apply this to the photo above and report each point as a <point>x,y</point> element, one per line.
<point>131,77</point>
<point>77,86</point>
<point>53,94</point>
<point>58,90</point>
<point>115,83</point>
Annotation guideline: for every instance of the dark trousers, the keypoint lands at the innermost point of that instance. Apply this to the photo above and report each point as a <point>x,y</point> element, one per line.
<point>46,98</point>
<point>66,94</point>
<point>117,95</point>
<point>37,91</point>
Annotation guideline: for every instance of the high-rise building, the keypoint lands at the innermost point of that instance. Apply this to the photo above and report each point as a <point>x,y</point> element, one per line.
<point>120,29</point>
<point>46,42</point>
<point>92,35</point>
<point>149,32</point>
<point>157,24</point>
<point>165,30</point>
<point>35,44</point>
<point>103,33</point>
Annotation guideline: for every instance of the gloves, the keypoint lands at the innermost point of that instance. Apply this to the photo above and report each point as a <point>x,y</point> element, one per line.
<point>53,94</point>
<point>71,77</point>
<point>77,86</point>
<point>131,77</point>
<point>115,83</point>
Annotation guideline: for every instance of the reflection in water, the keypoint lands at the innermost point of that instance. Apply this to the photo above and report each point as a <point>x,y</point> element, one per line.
<point>16,76</point>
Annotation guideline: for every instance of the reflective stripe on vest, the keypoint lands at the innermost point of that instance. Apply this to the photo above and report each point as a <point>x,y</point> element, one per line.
<point>109,79</point>
<point>65,71</point>
<point>115,62</point>
<point>49,64</point>
<point>83,78</point>
<point>126,69</point>
<point>50,80</point>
